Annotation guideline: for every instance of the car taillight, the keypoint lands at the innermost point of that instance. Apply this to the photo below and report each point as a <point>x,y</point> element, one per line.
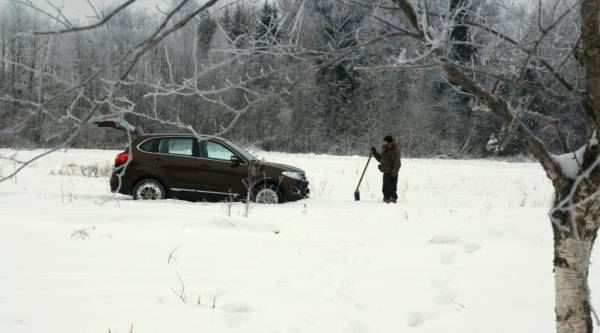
<point>121,158</point>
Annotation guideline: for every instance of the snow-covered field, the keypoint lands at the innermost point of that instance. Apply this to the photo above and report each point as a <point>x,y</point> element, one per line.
<point>467,249</point>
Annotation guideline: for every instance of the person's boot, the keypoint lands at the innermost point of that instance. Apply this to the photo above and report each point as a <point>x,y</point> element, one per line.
<point>393,200</point>
<point>386,200</point>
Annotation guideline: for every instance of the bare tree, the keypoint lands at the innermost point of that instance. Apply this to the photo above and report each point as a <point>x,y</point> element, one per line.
<point>157,63</point>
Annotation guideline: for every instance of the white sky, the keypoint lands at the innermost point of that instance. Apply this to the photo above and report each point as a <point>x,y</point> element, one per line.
<point>80,8</point>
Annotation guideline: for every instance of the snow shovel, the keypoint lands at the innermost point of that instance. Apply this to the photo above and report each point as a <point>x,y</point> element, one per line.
<point>357,193</point>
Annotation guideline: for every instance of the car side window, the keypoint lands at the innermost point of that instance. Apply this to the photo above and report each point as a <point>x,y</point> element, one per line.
<point>149,146</point>
<point>176,146</point>
<point>217,151</point>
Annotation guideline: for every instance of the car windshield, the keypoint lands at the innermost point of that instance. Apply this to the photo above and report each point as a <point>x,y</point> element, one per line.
<point>240,150</point>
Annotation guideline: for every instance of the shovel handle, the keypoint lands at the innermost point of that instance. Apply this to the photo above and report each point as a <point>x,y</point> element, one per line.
<point>363,173</point>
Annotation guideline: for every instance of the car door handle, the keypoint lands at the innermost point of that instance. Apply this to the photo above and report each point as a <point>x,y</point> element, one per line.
<point>156,159</point>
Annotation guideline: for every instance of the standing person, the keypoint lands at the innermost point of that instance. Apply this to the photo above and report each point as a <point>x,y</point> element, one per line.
<point>390,163</point>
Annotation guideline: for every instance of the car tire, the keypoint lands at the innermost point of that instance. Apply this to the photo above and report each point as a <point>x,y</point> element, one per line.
<point>267,193</point>
<point>149,189</point>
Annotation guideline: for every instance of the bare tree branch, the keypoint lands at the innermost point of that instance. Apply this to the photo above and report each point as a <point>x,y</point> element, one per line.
<point>100,23</point>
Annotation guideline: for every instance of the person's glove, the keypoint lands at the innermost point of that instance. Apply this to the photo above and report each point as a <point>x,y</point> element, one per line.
<point>373,150</point>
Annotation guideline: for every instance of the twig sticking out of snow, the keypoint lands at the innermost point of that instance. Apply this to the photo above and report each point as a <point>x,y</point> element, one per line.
<point>172,255</point>
<point>83,233</point>
<point>180,293</point>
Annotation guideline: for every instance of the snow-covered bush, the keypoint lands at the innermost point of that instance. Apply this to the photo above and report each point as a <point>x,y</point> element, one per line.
<point>97,170</point>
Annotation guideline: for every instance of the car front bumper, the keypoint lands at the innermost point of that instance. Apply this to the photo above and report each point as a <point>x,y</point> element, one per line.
<point>297,190</point>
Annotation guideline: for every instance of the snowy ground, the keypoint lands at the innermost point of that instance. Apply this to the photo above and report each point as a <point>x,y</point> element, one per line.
<point>468,249</point>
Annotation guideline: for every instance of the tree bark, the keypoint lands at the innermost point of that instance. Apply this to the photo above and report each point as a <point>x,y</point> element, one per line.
<point>573,313</point>
<point>590,37</point>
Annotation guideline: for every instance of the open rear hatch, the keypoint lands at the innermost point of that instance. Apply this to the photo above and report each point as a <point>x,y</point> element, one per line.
<point>120,124</point>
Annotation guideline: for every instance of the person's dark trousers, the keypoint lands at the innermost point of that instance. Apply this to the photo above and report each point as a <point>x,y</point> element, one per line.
<point>390,186</point>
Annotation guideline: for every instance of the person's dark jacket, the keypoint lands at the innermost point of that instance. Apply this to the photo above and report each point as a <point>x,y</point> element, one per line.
<point>389,159</point>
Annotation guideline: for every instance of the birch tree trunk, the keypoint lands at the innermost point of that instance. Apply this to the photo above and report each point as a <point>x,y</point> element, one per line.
<point>576,219</point>
<point>572,308</point>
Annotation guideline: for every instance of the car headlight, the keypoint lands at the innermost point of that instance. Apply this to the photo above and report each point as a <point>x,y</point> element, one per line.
<point>293,175</point>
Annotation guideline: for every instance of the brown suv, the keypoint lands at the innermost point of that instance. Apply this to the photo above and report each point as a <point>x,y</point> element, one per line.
<point>159,166</point>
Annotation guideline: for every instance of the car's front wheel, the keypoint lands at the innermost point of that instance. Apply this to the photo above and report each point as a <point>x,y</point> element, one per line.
<point>149,189</point>
<point>267,194</point>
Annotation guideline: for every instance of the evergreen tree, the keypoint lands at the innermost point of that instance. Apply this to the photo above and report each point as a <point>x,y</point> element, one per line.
<point>225,20</point>
<point>205,32</point>
<point>267,29</point>
<point>240,26</point>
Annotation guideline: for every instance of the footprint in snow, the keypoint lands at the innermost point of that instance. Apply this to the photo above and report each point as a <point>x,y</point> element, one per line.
<point>444,293</point>
<point>415,319</point>
<point>496,233</point>
<point>444,296</point>
<point>240,307</point>
<point>448,258</point>
<point>469,247</point>
<point>444,240</point>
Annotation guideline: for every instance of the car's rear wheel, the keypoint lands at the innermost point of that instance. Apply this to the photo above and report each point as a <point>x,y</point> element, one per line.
<point>149,189</point>
<point>267,194</point>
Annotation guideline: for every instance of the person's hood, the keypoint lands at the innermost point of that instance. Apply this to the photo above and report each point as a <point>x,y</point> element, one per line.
<point>393,145</point>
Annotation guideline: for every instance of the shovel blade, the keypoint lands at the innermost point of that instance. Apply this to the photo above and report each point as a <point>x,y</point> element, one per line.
<point>356,196</point>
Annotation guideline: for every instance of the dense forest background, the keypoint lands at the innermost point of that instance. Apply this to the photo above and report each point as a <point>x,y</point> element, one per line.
<point>339,106</point>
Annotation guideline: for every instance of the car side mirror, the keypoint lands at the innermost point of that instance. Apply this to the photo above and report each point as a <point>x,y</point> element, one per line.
<point>235,160</point>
